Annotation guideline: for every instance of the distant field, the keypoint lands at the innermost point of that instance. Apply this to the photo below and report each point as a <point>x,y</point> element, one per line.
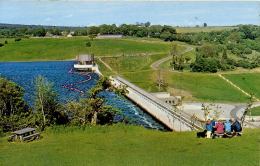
<point>130,145</point>
<point>44,49</point>
<point>201,29</point>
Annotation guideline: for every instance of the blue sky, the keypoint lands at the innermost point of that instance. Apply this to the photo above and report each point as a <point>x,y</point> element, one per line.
<point>90,13</point>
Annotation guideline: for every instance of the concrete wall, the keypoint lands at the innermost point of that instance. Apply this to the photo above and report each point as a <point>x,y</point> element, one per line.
<point>165,113</point>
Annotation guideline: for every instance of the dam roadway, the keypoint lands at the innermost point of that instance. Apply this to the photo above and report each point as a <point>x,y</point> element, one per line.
<point>174,119</point>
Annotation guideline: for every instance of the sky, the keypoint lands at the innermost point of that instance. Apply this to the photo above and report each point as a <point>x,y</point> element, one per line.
<point>95,13</point>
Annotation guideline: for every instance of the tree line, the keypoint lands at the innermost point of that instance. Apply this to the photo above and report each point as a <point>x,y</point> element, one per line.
<point>214,50</point>
<point>47,110</point>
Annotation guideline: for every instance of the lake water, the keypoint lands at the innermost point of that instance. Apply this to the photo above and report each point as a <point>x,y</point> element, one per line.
<point>24,73</point>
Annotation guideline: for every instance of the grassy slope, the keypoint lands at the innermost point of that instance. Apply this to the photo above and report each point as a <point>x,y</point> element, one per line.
<point>68,48</point>
<point>202,87</point>
<point>136,146</point>
<point>249,82</point>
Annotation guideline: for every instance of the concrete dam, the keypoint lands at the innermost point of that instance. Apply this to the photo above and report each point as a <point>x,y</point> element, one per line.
<point>173,118</point>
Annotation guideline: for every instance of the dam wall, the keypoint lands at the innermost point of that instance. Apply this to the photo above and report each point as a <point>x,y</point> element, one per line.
<point>170,116</point>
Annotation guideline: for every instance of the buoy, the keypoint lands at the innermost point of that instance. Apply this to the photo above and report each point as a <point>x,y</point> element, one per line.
<point>71,88</point>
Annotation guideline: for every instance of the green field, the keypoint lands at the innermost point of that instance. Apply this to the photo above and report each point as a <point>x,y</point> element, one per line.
<point>129,145</point>
<point>42,49</point>
<point>195,87</point>
<point>201,29</point>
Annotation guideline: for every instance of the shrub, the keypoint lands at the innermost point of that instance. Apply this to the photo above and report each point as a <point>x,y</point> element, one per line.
<point>88,44</point>
<point>1,44</point>
<point>18,39</point>
<point>6,42</point>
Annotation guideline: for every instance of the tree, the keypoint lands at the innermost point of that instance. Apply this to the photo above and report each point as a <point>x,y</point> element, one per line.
<point>93,30</point>
<point>224,54</point>
<point>13,109</point>
<point>207,50</point>
<point>206,111</point>
<point>248,108</point>
<point>205,25</point>
<point>92,36</point>
<point>88,44</point>
<point>161,79</point>
<point>174,50</point>
<point>46,103</point>
<point>147,24</point>
<point>40,32</point>
<point>94,109</point>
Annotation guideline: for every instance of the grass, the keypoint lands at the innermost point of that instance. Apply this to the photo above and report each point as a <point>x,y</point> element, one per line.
<point>201,29</point>
<point>130,145</point>
<point>249,82</point>
<point>201,87</point>
<point>255,111</point>
<point>45,49</point>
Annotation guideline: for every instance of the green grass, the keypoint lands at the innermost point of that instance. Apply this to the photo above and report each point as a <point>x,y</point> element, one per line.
<point>249,82</point>
<point>255,111</point>
<point>133,63</point>
<point>130,145</point>
<point>44,49</point>
<point>202,87</point>
<point>201,29</point>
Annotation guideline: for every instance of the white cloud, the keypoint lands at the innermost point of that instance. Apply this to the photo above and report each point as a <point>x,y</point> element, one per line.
<point>69,16</point>
<point>92,24</point>
<point>48,19</point>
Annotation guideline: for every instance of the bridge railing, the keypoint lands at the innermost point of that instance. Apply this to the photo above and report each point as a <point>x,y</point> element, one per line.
<point>192,121</point>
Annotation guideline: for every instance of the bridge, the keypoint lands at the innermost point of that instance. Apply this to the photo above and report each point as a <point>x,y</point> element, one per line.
<point>173,118</point>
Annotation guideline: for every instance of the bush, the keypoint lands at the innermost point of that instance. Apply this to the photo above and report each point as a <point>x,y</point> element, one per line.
<point>1,44</point>
<point>88,44</point>
<point>18,39</point>
<point>6,42</point>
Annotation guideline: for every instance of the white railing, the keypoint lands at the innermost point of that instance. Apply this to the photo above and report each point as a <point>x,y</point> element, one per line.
<point>187,119</point>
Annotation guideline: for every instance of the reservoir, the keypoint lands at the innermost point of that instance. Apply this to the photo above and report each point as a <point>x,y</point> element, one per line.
<point>24,73</point>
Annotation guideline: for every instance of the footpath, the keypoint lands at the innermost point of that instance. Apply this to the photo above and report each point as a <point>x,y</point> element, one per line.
<point>228,111</point>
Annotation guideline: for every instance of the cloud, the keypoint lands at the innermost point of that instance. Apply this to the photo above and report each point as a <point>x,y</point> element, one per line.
<point>92,24</point>
<point>48,19</point>
<point>69,16</point>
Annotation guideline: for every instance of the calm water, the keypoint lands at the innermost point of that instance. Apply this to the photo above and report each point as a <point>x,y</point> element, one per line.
<point>24,73</point>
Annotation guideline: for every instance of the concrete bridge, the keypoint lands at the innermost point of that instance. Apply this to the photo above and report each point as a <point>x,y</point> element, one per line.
<point>173,118</point>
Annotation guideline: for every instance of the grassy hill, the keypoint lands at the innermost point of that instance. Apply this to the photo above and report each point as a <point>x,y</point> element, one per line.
<point>130,145</point>
<point>44,49</point>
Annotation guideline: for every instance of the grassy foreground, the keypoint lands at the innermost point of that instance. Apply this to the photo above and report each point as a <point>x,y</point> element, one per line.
<point>130,145</point>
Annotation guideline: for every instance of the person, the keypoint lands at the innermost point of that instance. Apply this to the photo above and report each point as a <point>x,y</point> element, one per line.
<point>219,127</point>
<point>209,128</point>
<point>227,126</point>
<point>236,126</point>
<point>213,122</point>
